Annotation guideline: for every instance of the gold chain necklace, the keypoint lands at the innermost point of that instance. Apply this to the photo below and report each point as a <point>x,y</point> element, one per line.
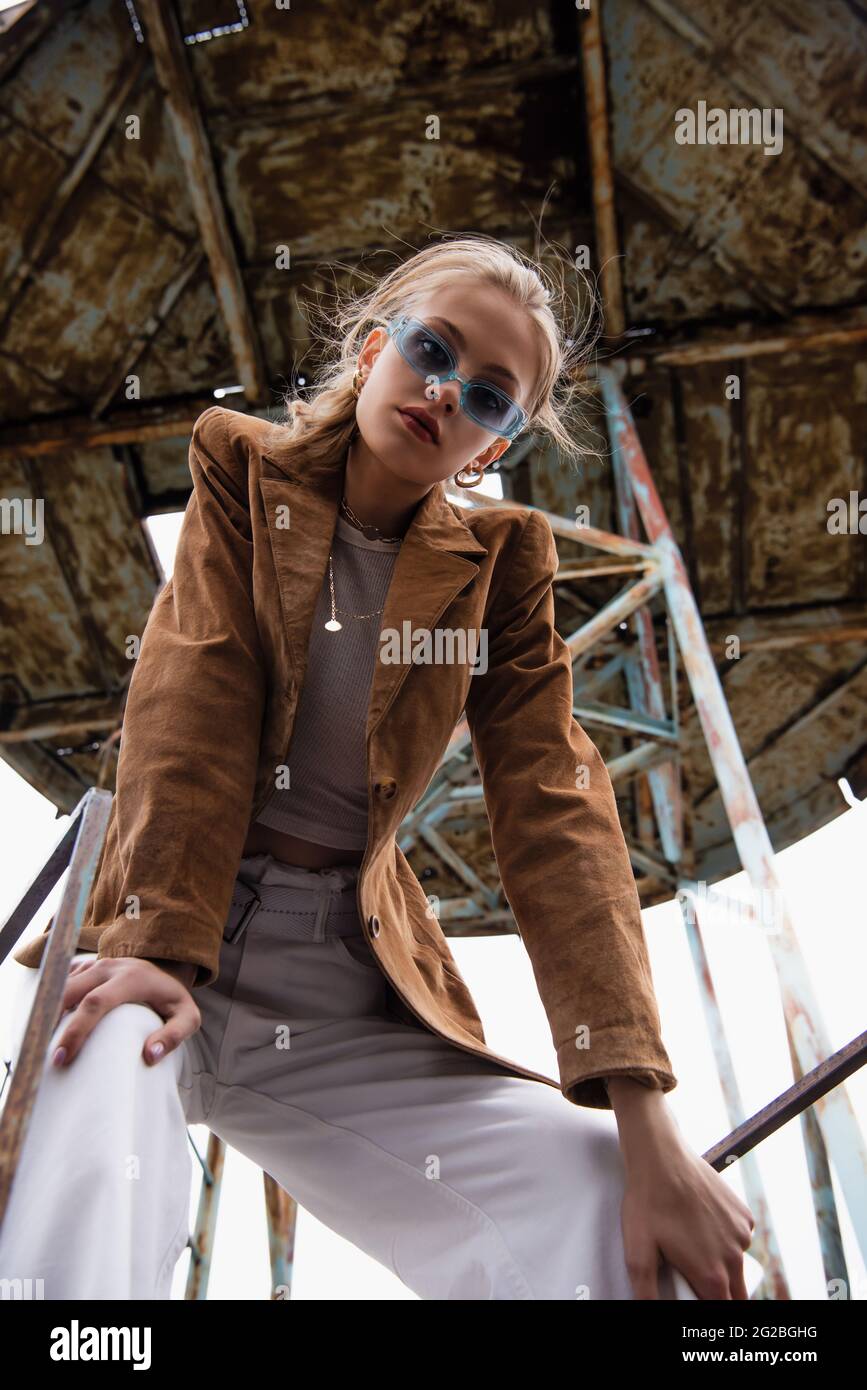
<point>333,625</point>
<point>365,529</point>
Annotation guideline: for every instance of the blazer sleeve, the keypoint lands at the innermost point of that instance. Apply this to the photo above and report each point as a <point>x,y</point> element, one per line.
<point>558,842</point>
<point>190,738</point>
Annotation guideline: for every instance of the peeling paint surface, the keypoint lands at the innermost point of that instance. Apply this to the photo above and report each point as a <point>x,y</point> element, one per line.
<point>316,121</point>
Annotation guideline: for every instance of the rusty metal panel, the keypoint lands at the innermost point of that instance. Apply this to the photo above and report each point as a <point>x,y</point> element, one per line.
<point>317,126</point>
<point>668,279</point>
<point>791,748</point>
<point>60,85</point>
<point>191,348</point>
<point>314,52</point>
<point>67,608</point>
<point>805,447</point>
<point>68,335</point>
<point>91,541</point>
<point>812,60</point>
<point>325,202</point>
<point>709,479</point>
<point>790,228</point>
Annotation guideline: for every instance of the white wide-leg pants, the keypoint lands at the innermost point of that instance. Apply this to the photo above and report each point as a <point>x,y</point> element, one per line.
<point>464,1180</point>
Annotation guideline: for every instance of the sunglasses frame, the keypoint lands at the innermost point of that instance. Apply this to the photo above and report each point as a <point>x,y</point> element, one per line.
<point>395,330</point>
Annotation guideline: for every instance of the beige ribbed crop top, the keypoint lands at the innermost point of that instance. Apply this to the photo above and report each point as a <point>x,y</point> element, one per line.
<point>326,769</point>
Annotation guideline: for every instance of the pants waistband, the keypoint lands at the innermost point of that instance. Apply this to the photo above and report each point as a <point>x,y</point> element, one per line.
<point>265,869</point>
<point>310,904</point>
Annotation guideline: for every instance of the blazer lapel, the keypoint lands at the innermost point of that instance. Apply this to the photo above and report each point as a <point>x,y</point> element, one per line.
<point>430,570</point>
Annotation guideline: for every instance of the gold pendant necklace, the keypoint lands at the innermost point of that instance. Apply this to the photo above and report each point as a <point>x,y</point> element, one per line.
<point>333,625</point>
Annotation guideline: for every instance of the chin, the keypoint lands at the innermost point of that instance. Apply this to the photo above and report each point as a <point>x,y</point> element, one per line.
<point>410,472</point>
<point>402,459</point>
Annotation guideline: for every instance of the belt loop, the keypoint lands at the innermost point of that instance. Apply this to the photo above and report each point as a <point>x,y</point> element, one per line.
<point>326,893</point>
<point>250,910</point>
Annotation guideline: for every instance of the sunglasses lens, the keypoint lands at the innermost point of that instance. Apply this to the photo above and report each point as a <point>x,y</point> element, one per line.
<point>490,410</point>
<point>424,353</point>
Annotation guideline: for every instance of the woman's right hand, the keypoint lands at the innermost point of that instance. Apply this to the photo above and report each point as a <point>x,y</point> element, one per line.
<point>95,986</point>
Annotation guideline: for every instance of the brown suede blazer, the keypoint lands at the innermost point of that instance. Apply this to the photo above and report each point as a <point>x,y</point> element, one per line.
<point>209,719</point>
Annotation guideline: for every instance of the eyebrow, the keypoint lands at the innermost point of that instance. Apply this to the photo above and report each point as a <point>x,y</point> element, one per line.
<point>462,344</point>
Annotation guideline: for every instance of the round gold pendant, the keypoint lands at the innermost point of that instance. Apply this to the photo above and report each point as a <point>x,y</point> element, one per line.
<point>333,625</point>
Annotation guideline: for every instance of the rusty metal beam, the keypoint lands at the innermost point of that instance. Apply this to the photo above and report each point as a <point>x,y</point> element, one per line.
<point>798,722</point>
<point>732,349</point>
<point>66,433</point>
<point>614,613</point>
<point>561,526</point>
<point>651,864</point>
<point>163,36</point>
<point>604,214</point>
<point>631,721</point>
<point>805,627</point>
<point>588,683</point>
<point>805,1092</point>
<point>449,856</point>
<point>201,1242</point>
<point>496,81</point>
<point>281,1213</point>
<point>64,720</point>
<point>604,570</point>
<point>644,682</point>
<point>640,759</point>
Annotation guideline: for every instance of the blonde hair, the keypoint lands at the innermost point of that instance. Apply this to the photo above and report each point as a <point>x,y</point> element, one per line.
<point>322,426</point>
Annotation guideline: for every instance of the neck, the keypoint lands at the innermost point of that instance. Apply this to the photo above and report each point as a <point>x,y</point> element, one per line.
<point>376,495</point>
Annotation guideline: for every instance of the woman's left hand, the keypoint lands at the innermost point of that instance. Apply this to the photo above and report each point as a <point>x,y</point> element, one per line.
<point>678,1208</point>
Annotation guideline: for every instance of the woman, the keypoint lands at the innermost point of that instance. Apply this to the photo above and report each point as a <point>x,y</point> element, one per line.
<point>268,760</point>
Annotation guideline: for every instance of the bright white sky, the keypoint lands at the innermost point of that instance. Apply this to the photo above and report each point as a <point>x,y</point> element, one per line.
<point>823,880</point>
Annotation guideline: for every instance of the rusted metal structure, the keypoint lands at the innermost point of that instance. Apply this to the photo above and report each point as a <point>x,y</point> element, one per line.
<point>729,400</point>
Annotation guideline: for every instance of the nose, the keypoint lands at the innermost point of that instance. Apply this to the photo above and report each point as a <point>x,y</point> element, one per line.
<point>450,394</point>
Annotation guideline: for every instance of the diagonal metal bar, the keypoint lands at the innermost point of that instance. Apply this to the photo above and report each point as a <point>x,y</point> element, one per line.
<point>281,1213</point>
<point>809,1090</point>
<point>450,856</point>
<point>629,720</point>
<point>168,51</point>
<point>765,1246</point>
<point>201,1242</point>
<point>645,686</point>
<point>568,530</point>
<point>806,1030</point>
<point>639,759</point>
<point>614,613</point>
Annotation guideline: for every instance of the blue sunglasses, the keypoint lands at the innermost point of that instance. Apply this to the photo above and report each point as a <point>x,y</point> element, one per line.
<point>427,354</point>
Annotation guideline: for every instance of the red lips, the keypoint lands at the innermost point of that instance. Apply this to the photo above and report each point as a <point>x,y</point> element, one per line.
<point>424,419</point>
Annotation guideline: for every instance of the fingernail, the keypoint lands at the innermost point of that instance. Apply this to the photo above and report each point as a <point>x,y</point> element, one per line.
<point>59,1056</point>
<point>158,1049</point>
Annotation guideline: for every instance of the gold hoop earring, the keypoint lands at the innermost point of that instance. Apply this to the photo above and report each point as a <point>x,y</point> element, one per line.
<point>357,382</point>
<point>472,472</point>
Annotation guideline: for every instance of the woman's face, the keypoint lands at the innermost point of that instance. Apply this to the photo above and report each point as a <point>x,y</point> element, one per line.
<point>488,331</point>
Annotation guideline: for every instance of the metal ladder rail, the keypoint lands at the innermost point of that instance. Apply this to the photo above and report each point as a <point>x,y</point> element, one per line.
<point>79,849</point>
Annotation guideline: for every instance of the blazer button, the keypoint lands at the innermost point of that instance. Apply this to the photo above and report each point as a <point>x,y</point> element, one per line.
<point>373,923</point>
<point>386,788</point>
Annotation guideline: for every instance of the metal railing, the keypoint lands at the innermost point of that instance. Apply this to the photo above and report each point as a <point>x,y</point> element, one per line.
<point>78,849</point>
